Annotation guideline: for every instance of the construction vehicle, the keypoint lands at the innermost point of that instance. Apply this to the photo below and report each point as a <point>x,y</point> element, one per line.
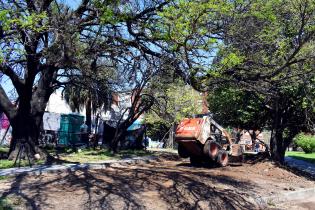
<point>203,140</point>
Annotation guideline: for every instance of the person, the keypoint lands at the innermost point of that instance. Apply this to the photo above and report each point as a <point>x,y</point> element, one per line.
<point>84,133</point>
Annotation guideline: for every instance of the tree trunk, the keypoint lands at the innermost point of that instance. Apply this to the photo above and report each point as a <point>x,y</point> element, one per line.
<point>119,137</point>
<point>25,133</point>
<point>277,146</point>
<point>88,113</point>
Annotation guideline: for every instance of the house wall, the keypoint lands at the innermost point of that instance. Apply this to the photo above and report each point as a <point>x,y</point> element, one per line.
<point>57,104</point>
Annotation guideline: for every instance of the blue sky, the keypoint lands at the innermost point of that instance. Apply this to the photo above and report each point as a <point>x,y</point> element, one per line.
<point>72,3</point>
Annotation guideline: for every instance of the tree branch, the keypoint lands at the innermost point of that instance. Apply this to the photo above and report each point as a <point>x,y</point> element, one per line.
<point>82,8</point>
<point>17,82</point>
<point>5,104</point>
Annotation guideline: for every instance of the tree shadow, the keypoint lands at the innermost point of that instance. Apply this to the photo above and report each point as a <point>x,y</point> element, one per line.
<point>258,158</point>
<point>51,160</point>
<point>298,172</point>
<point>307,159</point>
<point>143,187</point>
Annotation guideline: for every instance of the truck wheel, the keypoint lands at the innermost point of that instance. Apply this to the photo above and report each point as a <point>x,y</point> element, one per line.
<point>223,158</point>
<point>182,152</point>
<point>195,161</point>
<point>211,149</point>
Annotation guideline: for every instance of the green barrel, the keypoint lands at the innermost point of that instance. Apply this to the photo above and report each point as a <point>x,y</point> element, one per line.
<point>69,132</point>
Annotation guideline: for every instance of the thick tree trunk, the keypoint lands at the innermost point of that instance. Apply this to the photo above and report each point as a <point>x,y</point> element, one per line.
<point>277,146</point>
<point>120,135</point>
<point>25,133</point>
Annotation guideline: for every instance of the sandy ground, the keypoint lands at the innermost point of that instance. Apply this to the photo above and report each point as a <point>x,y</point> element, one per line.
<point>167,184</point>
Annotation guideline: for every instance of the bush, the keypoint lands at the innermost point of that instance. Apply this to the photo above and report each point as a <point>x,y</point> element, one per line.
<point>306,142</point>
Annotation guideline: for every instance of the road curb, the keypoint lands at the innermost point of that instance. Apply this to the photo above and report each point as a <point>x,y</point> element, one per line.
<point>289,196</point>
<point>44,169</point>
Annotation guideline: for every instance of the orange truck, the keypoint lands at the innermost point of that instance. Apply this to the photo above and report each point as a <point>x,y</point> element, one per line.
<point>203,140</point>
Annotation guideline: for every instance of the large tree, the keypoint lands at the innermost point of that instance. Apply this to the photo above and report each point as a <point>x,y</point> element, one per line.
<point>268,48</point>
<point>47,44</point>
<point>238,108</point>
<point>35,44</point>
<point>265,47</point>
<point>42,42</point>
<point>241,108</point>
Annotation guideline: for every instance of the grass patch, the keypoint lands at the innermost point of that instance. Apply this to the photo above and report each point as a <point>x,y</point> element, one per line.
<point>3,178</point>
<point>82,156</point>
<point>12,202</point>
<point>4,152</point>
<point>4,163</point>
<point>5,204</point>
<point>302,156</point>
<point>4,149</point>
<point>89,155</point>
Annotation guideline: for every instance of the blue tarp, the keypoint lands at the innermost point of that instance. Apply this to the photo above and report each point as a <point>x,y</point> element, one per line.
<point>135,125</point>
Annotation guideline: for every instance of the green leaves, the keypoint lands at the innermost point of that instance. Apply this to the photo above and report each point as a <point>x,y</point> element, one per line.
<point>231,60</point>
<point>265,9</point>
<point>237,108</point>
<point>112,12</point>
<point>26,21</point>
<point>192,20</point>
<point>183,101</point>
<point>108,15</point>
<point>306,142</point>
<point>2,59</point>
<point>32,22</point>
<point>4,19</point>
<point>175,103</point>
<point>264,39</point>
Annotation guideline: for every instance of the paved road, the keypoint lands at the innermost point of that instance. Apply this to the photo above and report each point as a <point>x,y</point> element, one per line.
<point>301,165</point>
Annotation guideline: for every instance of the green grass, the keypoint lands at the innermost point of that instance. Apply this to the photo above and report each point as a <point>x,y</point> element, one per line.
<point>5,204</point>
<point>3,178</point>
<point>4,149</point>
<point>11,202</point>
<point>302,156</point>
<point>82,156</point>
<point>89,155</point>
<point>4,163</point>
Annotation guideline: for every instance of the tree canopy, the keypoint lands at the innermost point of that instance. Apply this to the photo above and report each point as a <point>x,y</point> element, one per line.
<point>46,44</point>
<point>174,101</point>
<point>262,48</point>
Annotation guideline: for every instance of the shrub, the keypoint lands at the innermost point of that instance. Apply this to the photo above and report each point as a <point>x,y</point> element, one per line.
<point>306,142</point>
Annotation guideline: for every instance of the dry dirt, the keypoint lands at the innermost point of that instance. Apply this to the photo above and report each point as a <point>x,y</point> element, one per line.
<point>167,184</point>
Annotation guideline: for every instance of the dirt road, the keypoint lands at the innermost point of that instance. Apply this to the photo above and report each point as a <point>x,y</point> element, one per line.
<point>168,184</point>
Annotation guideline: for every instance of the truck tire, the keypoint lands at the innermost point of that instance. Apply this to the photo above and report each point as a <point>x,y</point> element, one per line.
<point>223,158</point>
<point>195,161</point>
<point>182,152</point>
<point>211,149</point>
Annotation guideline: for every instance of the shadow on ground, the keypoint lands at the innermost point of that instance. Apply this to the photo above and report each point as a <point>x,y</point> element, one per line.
<point>131,187</point>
